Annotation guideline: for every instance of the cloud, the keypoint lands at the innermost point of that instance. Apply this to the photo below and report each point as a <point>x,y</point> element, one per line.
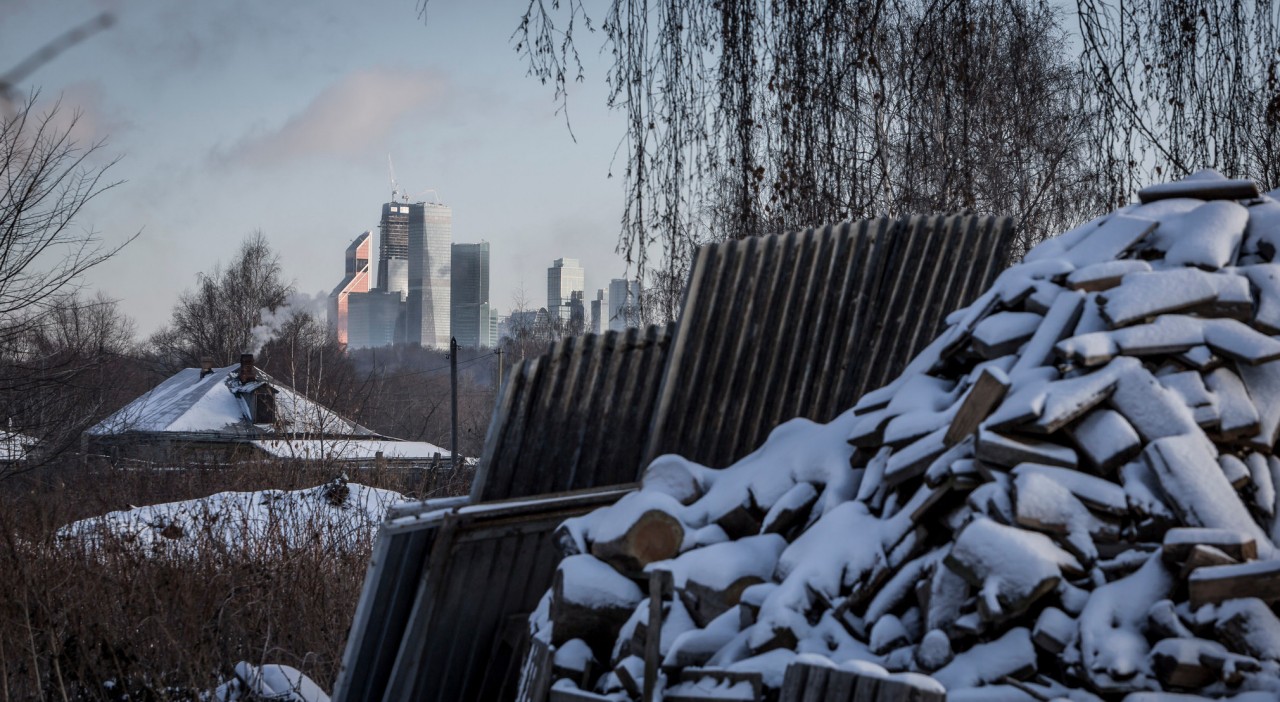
<point>350,118</point>
<point>84,109</point>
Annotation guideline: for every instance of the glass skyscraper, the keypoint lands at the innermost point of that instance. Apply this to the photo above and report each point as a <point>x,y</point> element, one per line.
<point>355,280</point>
<point>430,263</point>
<point>624,304</point>
<point>470,290</point>
<point>564,277</point>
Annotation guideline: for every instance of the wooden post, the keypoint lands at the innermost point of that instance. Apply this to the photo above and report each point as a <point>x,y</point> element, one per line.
<point>453,382</point>
<point>497,390</point>
<point>660,583</point>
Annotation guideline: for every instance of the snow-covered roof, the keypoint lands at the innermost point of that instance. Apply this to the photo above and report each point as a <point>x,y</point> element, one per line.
<point>14,446</point>
<point>350,449</point>
<point>187,403</point>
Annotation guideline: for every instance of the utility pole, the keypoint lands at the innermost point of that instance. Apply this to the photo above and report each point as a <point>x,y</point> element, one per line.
<point>453,377</point>
<point>498,389</point>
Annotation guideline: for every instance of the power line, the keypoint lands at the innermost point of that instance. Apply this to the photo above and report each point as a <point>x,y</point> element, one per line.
<point>435,370</point>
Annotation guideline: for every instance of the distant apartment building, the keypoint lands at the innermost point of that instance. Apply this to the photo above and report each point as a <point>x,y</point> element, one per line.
<point>564,277</point>
<point>599,312</point>
<point>430,264</point>
<point>624,304</point>
<point>355,280</point>
<point>473,320</point>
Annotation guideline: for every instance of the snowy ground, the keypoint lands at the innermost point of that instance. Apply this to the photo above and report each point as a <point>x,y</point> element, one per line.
<point>337,515</point>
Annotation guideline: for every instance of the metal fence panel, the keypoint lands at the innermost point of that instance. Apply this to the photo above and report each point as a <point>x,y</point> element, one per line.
<point>802,324</point>
<point>574,418</point>
<point>445,604</point>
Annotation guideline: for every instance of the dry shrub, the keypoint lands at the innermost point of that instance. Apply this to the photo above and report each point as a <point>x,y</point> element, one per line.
<point>101,623</point>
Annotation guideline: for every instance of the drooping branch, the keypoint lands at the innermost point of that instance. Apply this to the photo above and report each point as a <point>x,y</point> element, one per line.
<point>747,117</point>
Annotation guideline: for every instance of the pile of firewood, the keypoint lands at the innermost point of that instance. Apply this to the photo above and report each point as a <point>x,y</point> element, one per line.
<point>1071,492</point>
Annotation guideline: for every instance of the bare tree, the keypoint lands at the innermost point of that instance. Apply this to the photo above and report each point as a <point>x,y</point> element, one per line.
<point>1183,85</point>
<point>51,340</point>
<point>525,335</point>
<point>304,352</point>
<point>217,319</point>
<point>64,373</point>
<point>46,180</point>
<point>747,117</point>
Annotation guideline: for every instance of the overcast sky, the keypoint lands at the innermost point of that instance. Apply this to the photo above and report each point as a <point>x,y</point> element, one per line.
<point>236,115</point>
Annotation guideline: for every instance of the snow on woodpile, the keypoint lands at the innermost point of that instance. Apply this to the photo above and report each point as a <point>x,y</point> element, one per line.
<point>1071,492</point>
<point>337,515</point>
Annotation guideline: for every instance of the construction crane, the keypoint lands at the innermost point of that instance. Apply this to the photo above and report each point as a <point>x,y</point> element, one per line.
<point>391,167</point>
<point>395,187</point>
<point>435,195</point>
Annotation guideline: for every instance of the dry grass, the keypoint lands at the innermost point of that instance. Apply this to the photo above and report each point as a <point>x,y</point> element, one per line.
<point>77,623</point>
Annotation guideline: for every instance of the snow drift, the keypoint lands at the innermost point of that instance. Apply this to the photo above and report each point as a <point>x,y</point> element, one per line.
<point>336,516</point>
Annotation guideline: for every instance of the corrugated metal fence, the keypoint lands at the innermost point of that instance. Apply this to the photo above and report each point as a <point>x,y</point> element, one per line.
<point>802,324</point>
<point>772,328</point>
<point>576,417</point>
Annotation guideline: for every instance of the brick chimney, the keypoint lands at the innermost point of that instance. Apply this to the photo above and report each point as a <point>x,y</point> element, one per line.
<point>206,367</point>
<point>247,372</point>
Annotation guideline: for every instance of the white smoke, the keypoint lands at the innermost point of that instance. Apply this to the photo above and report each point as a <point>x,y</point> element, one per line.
<point>297,303</point>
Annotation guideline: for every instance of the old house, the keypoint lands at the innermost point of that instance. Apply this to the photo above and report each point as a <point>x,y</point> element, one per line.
<point>221,415</point>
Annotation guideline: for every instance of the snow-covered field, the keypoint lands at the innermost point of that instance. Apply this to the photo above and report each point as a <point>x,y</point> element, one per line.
<point>337,515</point>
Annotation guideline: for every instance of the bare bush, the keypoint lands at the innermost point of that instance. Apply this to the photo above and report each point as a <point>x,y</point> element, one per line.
<point>84,620</point>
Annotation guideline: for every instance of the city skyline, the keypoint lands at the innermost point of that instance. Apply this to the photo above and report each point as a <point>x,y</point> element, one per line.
<point>421,297</point>
<point>281,119</point>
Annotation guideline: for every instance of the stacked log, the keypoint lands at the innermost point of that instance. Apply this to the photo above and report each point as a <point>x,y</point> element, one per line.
<point>1070,493</point>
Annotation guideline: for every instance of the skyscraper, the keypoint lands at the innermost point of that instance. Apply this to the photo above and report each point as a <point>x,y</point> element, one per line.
<point>375,319</point>
<point>599,310</point>
<point>355,280</point>
<point>564,277</point>
<point>577,323</point>
<point>471,316</point>
<point>430,235</point>
<point>624,303</point>
<point>393,248</point>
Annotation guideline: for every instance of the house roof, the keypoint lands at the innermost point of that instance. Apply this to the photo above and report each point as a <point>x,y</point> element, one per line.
<point>215,404</point>
<point>350,449</point>
<point>15,446</point>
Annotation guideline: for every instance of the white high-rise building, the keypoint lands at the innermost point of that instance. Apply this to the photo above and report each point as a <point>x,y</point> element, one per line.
<point>564,277</point>
<point>599,309</point>
<point>430,274</point>
<point>624,304</point>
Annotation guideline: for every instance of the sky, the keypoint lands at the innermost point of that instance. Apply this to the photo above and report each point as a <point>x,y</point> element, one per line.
<point>238,115</point>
